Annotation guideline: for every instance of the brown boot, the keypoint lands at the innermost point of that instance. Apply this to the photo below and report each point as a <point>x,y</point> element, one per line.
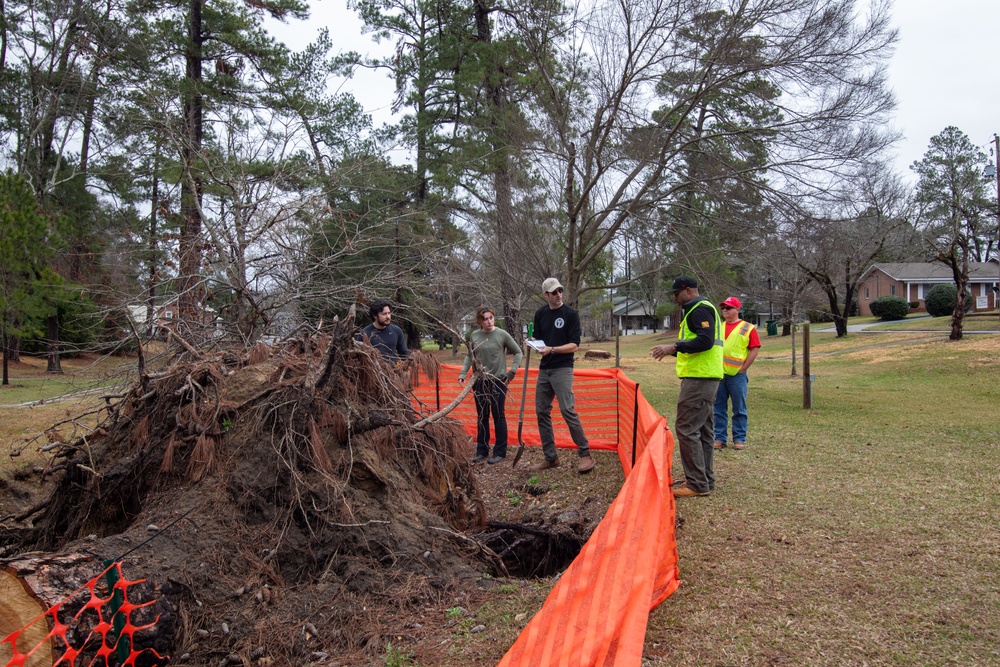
<point>688,492</point>
<point>585,465</point>
<point>545,464</point>
<point>719,444</point>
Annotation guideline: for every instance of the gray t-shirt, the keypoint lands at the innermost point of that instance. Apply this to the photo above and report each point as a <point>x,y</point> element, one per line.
<point>390,341</point>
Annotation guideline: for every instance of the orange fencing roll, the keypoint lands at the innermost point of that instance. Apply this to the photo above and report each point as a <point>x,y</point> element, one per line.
<point>597,613</point>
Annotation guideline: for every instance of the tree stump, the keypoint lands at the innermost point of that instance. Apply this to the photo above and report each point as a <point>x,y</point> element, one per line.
<point>19,608</point>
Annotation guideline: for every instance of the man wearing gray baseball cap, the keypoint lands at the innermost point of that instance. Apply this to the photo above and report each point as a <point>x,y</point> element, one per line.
<point>558,327</point>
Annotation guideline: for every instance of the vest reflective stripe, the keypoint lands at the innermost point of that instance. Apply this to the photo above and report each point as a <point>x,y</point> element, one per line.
<point>736,349</point>
<point>707,364</point>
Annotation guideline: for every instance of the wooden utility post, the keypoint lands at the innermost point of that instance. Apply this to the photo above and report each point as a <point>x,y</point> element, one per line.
<point>996,155</point>
<point>807,397</point>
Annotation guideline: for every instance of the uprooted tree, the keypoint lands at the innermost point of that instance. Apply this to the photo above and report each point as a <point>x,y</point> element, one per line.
<point>276,501</point>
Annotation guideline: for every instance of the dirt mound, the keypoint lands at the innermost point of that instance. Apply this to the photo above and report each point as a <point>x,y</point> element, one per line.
<point>279,502</point>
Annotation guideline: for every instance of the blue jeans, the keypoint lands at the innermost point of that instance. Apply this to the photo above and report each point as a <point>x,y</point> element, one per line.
<point>732,388</point>
<point>558,383</point>
<point>490,394</point>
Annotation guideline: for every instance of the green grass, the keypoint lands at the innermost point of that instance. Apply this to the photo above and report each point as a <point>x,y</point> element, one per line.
<point>33,389</point>
<point>863,531</point>
<point>976,322</point>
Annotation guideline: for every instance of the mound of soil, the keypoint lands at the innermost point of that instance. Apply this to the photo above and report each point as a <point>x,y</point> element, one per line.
<point>281,504</point>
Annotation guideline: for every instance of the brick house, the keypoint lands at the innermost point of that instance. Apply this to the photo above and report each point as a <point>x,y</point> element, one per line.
<point>913,280</point>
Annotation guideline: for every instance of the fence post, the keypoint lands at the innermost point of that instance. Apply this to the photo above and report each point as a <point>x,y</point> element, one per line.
<point>635,420</point>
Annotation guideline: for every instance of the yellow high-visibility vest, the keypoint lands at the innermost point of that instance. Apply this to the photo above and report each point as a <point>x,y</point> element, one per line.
<point>707,364</point>
<point>736,348</point>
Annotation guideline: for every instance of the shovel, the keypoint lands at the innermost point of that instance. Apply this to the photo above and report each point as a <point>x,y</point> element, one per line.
<point>524,393</point>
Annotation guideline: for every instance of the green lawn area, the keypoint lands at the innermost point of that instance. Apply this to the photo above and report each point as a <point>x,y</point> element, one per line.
<point>861,532</point>
<point>972,322</point>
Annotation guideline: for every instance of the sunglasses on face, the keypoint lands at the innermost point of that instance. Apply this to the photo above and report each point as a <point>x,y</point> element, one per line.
<point>558,290</point>
<point>729,308</point>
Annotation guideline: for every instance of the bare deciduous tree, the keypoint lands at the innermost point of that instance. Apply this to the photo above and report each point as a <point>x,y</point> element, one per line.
<point>837,245</point>
<point>633,99</point>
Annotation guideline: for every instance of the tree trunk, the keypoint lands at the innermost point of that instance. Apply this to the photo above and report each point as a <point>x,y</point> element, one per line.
<point>152,240</point>
<point>189,286</point>
<point>6,376</point>
<point>19,609</point>
<point>500,167</point>
<point>960,273</point>
<point>52,342</point>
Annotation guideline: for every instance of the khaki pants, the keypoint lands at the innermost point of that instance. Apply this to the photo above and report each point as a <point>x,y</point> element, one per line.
<point>694,431</point>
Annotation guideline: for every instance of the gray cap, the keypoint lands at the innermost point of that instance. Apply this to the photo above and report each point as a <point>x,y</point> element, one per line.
<point>550,285</point>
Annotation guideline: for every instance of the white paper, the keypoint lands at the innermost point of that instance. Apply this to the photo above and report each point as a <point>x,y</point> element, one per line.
<point>538,345</point>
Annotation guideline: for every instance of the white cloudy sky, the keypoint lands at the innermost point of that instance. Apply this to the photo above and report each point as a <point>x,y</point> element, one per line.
<point>946,69</point>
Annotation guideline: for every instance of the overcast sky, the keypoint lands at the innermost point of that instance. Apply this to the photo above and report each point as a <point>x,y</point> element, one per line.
<point>946,69</point>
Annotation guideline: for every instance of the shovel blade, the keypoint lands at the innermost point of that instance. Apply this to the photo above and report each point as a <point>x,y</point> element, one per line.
<point>517,456</point>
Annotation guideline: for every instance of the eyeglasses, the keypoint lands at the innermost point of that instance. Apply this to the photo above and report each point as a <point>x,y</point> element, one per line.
<point>729,308</point>
<point>558,290</point>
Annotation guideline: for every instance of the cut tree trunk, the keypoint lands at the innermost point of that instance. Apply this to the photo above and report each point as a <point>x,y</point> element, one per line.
<point>20,608</point>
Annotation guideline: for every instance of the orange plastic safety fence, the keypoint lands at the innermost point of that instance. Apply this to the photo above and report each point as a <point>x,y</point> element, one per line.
<point>103,631</point>
<point>598,611</point>
<point>605,401</point>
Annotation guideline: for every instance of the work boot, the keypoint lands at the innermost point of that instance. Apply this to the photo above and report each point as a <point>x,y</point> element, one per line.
<point>719,444</point>
<point>478,458</point>
<point>545,465</point>
<point>688,492</point>
<point>585,465</point>
<point>738,445</point>
<point>495,459</point>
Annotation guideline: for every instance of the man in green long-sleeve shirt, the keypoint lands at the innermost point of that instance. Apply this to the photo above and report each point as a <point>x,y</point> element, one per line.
<point>490,346</point>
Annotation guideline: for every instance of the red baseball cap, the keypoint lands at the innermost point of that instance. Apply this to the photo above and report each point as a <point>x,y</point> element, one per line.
<point>732,301</point>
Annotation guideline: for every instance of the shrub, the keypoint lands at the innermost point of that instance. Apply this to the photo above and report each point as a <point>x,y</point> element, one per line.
<point>819,315</point>
<point>914,305</point>
<point>890,308</point>
<point>940,301</point>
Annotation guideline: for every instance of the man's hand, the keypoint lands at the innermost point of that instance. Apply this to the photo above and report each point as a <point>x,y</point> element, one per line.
<point>661,351</point>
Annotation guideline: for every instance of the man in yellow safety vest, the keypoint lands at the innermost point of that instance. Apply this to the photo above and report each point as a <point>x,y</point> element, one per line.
<point>738,352</point>
<point>699,366</point>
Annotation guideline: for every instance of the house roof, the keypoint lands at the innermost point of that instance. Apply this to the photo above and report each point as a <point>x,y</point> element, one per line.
<point>623,305</point>
<point>933,271</point>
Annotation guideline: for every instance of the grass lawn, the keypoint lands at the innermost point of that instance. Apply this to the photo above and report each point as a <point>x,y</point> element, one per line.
<point>972,322</point>
<point>861,532</point>
<point>34,400</point>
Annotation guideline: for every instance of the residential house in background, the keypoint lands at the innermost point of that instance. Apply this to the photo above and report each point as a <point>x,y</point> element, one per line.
<point>913,280</point>
<point>634,316</point>
<point>165,317</point>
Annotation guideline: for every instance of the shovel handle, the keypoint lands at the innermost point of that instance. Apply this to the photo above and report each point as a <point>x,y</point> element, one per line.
<point>520,416</point>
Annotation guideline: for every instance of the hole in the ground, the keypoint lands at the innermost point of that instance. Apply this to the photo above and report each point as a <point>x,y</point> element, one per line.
<point>529,550</point>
